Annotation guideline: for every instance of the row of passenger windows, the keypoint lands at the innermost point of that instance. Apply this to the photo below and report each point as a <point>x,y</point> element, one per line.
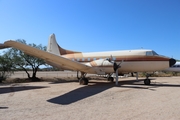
<point>89,59</point>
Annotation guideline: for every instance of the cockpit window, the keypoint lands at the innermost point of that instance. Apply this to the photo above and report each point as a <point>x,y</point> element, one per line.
<point>154,53</point>
<point>151,53</point>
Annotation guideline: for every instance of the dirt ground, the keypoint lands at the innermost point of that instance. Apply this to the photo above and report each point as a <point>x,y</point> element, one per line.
<point>100,100</point>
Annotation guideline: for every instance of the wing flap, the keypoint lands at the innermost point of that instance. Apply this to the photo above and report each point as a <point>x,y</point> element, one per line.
<point>72,65</point>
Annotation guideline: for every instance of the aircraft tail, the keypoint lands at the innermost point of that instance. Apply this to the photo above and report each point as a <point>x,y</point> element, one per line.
<point>54,48</point>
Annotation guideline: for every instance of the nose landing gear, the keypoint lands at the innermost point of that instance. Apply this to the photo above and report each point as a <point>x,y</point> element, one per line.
<point>147,81</point>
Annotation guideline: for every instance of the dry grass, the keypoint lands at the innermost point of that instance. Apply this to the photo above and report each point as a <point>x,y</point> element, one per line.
<point>68,79</point>
<point>160,74</point>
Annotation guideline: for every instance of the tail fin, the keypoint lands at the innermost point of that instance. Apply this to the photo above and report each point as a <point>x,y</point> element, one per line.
<point>54,48</point>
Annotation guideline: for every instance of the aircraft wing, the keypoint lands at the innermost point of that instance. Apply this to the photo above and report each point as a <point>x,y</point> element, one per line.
<point>49,57</point>
<point>2,46</point>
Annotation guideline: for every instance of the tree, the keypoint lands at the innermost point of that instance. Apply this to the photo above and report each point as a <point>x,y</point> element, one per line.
<point>6,66</point>
<point>24,61</point>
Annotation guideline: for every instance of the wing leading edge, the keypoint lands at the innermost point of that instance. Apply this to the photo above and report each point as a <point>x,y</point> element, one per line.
<point>59,60</point>
<point>2,46</point>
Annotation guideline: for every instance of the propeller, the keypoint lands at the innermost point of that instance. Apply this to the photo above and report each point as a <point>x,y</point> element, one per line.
<point>115,67</point>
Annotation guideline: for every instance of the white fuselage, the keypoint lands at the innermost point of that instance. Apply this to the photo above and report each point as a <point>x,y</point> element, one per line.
<point>131,61</point>
<point>104,62</point>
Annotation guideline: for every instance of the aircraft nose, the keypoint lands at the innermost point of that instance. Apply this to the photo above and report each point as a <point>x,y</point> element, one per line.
<point>171,62</point>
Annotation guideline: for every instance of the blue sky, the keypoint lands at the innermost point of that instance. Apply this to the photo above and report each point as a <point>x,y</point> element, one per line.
<point>95,25</point>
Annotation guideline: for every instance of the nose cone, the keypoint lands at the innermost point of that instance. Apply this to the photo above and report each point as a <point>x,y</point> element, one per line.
<point>171,62</point>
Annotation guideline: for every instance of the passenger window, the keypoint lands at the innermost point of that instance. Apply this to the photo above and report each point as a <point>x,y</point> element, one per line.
<point>89,59</point>
<point>94,58</point>
<point>82,59</point>
<point>77,59</point>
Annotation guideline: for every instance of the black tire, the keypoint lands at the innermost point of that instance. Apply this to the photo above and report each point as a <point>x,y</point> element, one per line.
<point>111,79</point>
<point>147,81</point>
<point>84,81</point>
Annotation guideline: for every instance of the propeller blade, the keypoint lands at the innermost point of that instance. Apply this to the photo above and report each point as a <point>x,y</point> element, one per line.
<point>117,77</point>
<point>115,66</point>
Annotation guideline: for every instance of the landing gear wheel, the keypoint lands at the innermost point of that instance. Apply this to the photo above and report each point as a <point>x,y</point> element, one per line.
<point>147,81</point>
<point>111,79</point>
<point>83,81</point>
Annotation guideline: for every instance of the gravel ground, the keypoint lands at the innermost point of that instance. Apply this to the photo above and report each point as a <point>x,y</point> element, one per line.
<point>100,100</point>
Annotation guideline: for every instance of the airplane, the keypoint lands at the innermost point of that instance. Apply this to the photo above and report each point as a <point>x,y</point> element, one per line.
<point>101,63</point>
<point>174,68</point>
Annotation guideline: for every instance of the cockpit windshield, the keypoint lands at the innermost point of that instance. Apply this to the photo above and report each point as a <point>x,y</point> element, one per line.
<point>154,53</point>
<point>151,53</point>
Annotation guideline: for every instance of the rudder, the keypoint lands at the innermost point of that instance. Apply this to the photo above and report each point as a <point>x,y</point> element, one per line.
<point>54,48</point>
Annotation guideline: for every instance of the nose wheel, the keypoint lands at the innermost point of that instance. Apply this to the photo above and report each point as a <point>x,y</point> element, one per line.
<point>147,81</point>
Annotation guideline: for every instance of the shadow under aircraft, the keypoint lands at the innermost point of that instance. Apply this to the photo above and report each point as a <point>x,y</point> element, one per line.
<point>10,89</point>
<point>98,87</point>
<point>90,90</point>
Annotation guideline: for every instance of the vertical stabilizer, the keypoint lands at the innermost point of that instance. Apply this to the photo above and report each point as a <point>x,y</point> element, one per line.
<point>53,47</point>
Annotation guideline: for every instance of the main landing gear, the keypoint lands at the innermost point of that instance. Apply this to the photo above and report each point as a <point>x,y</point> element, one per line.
<point>111,79</point>
<point>82,79</point>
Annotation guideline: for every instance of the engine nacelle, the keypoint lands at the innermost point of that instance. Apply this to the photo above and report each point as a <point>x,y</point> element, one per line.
<point>100,63</point>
